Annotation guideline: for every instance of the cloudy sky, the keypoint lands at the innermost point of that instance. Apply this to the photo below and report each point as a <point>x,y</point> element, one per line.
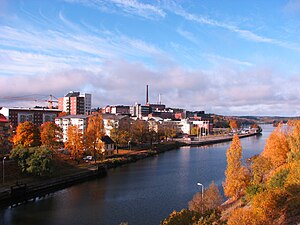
<point>228,57</point>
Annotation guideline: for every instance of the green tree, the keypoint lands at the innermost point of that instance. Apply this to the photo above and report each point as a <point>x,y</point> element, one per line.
<point>27,135</point>
<point>35,160</point>
<point>236,174</point>
<point>21,154</point>
<point>40,161</point>
<point>94,134</point>
<point>51,135</point>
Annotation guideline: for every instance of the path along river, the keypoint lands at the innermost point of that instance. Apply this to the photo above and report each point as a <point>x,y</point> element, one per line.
<point>142,193</point>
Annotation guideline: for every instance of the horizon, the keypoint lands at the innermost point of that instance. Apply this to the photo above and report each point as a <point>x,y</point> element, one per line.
<point>229,58</point>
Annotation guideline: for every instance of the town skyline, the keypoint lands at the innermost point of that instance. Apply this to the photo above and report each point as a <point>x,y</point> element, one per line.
<point>234,58</point>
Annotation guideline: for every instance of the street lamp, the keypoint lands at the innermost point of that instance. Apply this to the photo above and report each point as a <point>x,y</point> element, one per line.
<point>129,145</point>
<point>202,190</point>
<point>3,168</point>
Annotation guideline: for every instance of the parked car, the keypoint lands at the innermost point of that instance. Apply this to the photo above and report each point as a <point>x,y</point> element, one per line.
<point>88,157</point>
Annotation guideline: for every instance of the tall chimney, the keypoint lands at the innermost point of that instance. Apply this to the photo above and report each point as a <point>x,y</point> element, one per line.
<point>147,95</point>
<point>159,99</point>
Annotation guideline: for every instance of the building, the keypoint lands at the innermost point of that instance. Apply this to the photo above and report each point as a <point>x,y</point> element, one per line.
<point>38,116</point>
<point>139,110</point>
<point>72,120</point>
<point>118,109</point>
<point>108,146</point>
<point>112,120</point>
<point>76,103</point>
<point>5,144</point>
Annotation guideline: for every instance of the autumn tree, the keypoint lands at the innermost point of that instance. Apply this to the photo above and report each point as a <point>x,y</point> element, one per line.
<point>244,216</point>
<point>61,114</point>
<point>119,134</point>
<point>233,124</point>
<point>139,131</point>
<point>236,174</point>
<point>51,135</point>
<point>168,130</point>
<point>94,134</point>
<point>211,199</point>
<point>260,167</point>
<point>27,135</point>
<point>276,147</point>
<point>294,141</point>
<point>184,217</point>
<point>268,205</point>
<point>75,142</point>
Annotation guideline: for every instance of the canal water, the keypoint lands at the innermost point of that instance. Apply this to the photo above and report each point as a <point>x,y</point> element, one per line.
<point>142,193</point>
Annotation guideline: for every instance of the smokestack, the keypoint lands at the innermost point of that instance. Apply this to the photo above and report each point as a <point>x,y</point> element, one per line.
<point>147,94</point>
<point>159,99</point>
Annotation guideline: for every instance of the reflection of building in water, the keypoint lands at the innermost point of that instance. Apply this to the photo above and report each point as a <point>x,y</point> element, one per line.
<point>35,115</point>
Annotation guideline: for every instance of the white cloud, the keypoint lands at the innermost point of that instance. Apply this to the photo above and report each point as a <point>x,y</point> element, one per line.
<point>132,7</point>
<point>246,34</point>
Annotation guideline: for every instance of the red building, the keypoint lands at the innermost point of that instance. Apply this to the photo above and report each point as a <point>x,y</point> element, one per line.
<point>5,144</point>
<point>35,115</point>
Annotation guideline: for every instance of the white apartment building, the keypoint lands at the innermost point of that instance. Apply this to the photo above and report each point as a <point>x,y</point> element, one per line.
<point>72,120</point>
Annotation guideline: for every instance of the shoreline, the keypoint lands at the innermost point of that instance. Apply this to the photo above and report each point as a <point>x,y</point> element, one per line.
<point>22,193</point>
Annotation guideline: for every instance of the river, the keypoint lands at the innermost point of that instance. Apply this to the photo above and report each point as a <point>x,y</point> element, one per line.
<point>142,193</point>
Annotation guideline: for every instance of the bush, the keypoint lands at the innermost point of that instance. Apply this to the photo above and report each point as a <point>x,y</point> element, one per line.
<point>184,217</point>
<point>278,179</point>
<point>35,160</point>
<point>252,190</point>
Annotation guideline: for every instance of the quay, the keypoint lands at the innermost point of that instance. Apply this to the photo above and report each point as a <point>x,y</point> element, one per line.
<point>213,139</point>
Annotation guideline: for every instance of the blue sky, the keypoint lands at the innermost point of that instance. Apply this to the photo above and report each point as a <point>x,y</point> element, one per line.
<point>228,57</point>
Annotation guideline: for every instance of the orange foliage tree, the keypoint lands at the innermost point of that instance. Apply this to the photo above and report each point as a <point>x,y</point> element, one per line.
<point>211,199</point>
<point>75,142</point>
<point>27,135</point>
<point>233,124</point>
<point>294,141</point>
<point>277,147</point>
<point>260,167</point>
<point>269,204</point>
<point>93,135</point>
<point>236,174</point>
<point>244,216</point>
<point>51,135</point>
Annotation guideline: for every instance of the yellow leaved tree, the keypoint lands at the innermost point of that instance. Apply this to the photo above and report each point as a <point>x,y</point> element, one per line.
<point>75,142</point>
<point>236,174</point>
<point>27,135</point>
<point>277,147</point>
<point>93,136</point>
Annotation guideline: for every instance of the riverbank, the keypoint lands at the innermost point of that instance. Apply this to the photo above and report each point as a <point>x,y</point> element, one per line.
<point>32,190</point>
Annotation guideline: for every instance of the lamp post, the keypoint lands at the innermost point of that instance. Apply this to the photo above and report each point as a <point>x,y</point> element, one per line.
<point>202,190</point>
<point>3,169</point>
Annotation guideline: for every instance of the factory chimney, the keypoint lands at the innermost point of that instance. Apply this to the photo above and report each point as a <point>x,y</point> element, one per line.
<point>147,95</point>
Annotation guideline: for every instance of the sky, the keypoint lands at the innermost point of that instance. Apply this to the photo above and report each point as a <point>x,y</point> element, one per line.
<point>227,57</point>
